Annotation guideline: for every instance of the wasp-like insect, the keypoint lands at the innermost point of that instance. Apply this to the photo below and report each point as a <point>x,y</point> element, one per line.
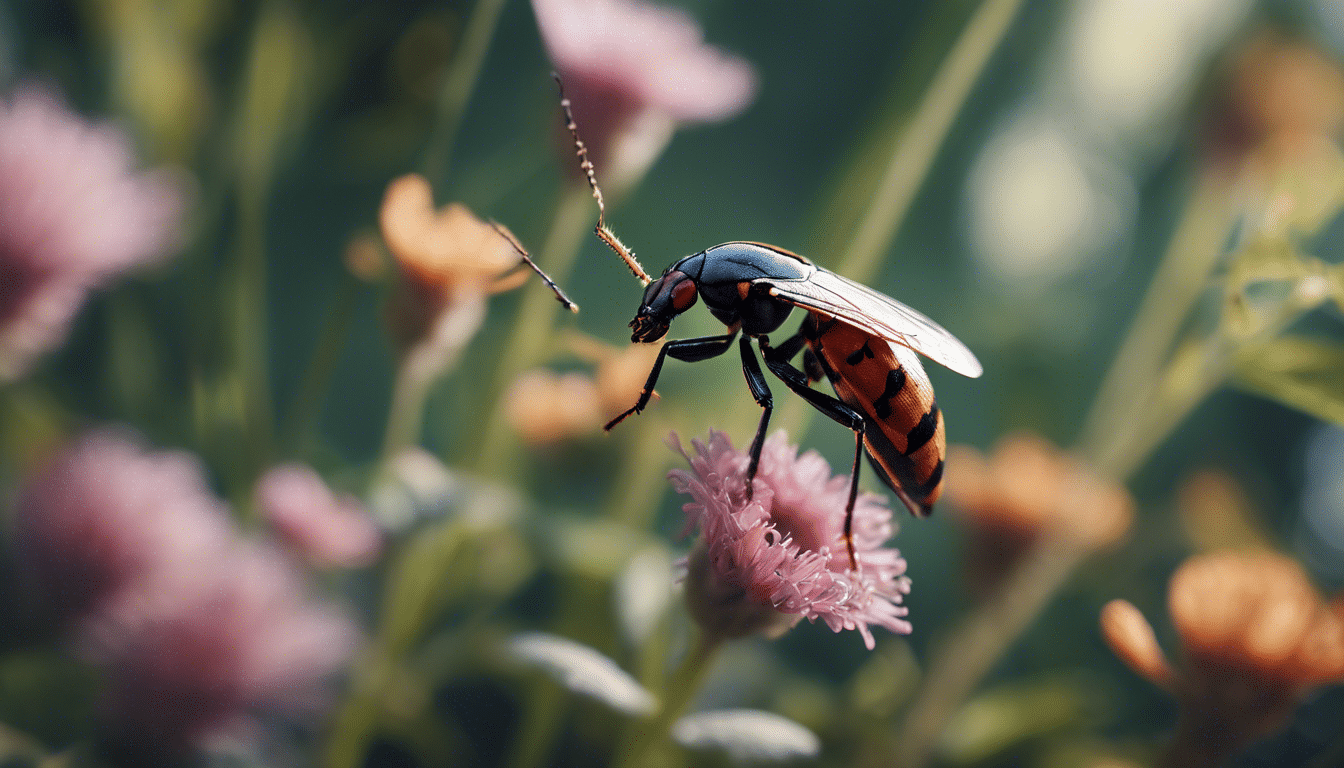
<point>860,340</point>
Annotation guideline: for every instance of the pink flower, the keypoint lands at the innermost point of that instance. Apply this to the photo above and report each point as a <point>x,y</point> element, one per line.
<point>191,658</point>
<point>104,514</point>
<point>325,530</point>
<point>633,71</point>
<point>72,215</point>
<point>195,626</point>
<point>783,550</point>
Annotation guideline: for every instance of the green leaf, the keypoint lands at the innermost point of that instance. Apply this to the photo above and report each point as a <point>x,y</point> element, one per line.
<point>1300,372</point>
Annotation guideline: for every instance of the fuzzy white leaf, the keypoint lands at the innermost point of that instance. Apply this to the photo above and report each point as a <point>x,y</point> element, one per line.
<point>644,592</point>
<point>747,735</point>
<point>583,670</point>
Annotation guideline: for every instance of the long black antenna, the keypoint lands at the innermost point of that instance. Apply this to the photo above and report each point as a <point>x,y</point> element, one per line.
<point>517,246</point>
<point>581,149</point>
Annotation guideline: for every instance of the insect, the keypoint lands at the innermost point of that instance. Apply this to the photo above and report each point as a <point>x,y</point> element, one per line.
<point>860,340</point>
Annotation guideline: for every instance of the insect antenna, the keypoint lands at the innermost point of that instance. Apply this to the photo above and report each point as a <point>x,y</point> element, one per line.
<point>603,232</point>
<point>517,246</point>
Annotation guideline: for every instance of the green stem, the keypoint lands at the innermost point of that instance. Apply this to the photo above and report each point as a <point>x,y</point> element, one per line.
<point>541,724</point>
<point>645,737</point>
<point>910,157</point>
<point>307,405</point>
<point>251,373</point>
<point>1180,279</point>
<point>977,643</point>
<point>424,363</point>
<point>458,84</point>
<point>1148,393</point>
<point>532,333</point>
<point>913,152</point>
<point>1180,389</point>
<point>641,481</point>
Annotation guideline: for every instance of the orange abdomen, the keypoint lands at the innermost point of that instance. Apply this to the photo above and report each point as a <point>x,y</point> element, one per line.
<point>904,433</point>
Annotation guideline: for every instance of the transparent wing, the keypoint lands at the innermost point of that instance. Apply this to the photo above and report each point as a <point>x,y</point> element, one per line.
<point>879,314</point>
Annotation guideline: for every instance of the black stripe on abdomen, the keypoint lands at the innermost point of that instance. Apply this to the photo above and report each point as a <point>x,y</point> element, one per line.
<point>895,383</point>
<point>922,432</point>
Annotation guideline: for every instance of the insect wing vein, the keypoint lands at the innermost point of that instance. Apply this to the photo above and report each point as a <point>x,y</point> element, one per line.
<point>877,313</point>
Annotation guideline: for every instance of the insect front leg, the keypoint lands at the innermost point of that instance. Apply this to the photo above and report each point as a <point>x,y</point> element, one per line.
<point>686,350</point>
<point>834,409</point>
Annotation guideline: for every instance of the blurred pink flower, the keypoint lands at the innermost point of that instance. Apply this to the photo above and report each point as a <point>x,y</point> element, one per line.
<point>325,530</point>
<point>191,657</point>
<point>194,625</point>
<point>626,62</point>
<point>784,549</point>
<point>104,514</point>
<point>73,214</point>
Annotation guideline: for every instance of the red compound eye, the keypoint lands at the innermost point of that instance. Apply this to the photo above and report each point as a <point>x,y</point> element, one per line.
<point>683,295</point>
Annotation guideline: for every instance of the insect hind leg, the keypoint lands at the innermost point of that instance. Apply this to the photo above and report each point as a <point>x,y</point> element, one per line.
<point>833,409</point>
<point>795,344</point>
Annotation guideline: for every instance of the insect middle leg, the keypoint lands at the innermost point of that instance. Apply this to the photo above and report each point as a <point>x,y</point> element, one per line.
<point>832,408</point>
<point>686,350</point>
<point>791,347</point>
<point>760,391</point>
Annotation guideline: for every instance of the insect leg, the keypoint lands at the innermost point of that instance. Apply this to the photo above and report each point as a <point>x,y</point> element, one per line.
<point>812,367</point>
<point>834,409</point>
<point>686,350</point>
<point>791,346</point>
<point>761,392</point>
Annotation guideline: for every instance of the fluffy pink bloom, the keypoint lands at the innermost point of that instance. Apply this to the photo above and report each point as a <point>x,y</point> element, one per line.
<point>325,530</point>
<point>73,213</point>
<point>784,549</point>
<point>195,625</point>
<point>191,658</point>
<point>104,514</point>
<point>625,62</point>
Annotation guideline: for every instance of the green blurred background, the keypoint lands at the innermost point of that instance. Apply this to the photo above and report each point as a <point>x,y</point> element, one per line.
<point>836,79</point>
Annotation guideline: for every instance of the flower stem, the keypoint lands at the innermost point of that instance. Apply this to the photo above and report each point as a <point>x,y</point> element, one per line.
<point>533,329</point>
<point>978,642</point>
<point>644,737</point>
<point>915,149</point>
<point>458,83</point>
<point>1180,279</point>
<point>307,405</point>
<point>641,481</point>
<point>1142,399</point>
<point>911,155</point>
<point>541,723</point>
<point>425,363</point>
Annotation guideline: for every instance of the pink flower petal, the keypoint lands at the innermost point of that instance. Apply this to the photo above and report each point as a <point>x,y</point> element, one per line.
<point>785,546</point>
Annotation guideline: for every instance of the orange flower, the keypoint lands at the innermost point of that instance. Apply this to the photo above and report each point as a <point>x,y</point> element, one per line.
<point>443,249</point>
<point>548,408</point>
<point>1217,515</point>
<point>1281,98</point>
<point>1256,637</point>
<point>621,375</point>
<point>445,257</point>
<point>1025,490</point>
